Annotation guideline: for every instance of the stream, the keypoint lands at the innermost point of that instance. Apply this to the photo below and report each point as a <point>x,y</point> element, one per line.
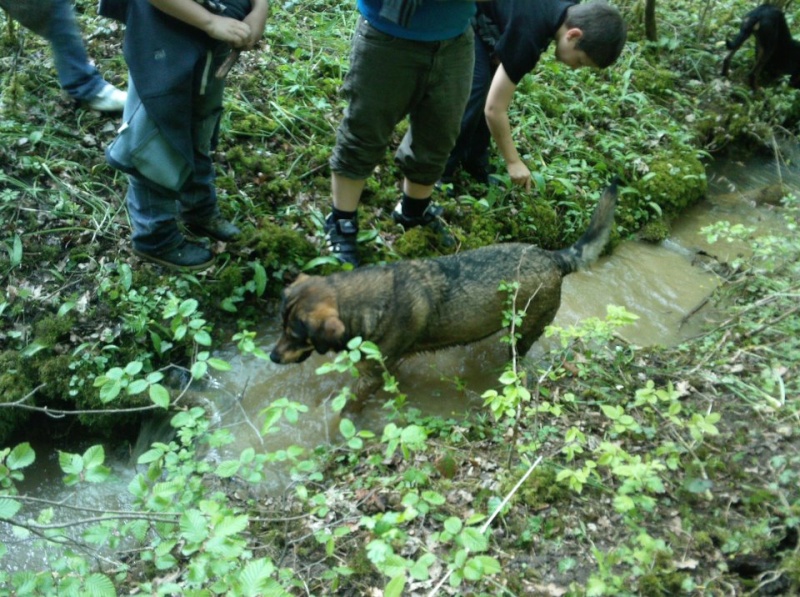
<point>664,284</point>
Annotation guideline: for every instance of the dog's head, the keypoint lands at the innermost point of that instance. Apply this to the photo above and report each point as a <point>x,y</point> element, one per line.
<point>310,321</point>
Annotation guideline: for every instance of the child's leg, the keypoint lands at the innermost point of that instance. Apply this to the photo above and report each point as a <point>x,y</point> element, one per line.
<point>472,146</point>
<point>77,76</point>
<point>152,211</point>
<point>198,197</point>
<point>437,112</point>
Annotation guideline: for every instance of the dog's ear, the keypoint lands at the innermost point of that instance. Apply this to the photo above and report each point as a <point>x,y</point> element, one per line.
<point>329,336</point>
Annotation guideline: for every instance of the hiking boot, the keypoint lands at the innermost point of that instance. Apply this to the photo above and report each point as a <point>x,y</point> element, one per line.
<point>109,99</point>
<point>341,238</point>
<point>215,227</point>
<point>431,218</point>
<point>185,256</point>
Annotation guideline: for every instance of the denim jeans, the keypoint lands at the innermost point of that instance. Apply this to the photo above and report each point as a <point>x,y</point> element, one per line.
<point>471,150</point>
<point>77,76</point>
<point>154,208</point>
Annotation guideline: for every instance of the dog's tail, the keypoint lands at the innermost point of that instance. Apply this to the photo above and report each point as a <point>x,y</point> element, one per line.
<point>591,244</point>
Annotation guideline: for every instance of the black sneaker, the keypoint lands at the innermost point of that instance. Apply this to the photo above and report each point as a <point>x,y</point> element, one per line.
<point>215,227</point>
<point>431,218</point>
<point>341,238</point>
<point>185,256</point>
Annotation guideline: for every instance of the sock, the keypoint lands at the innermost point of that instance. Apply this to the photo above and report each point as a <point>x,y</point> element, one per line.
<point>339,214</point>
<point>414,208</point>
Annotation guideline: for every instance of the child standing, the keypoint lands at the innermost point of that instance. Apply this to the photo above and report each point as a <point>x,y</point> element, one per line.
<point>173,49</point>
<point>511,36</point>
<point>408,58</point>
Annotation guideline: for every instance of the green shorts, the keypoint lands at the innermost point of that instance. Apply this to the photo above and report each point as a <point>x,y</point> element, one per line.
<point>391,78</point>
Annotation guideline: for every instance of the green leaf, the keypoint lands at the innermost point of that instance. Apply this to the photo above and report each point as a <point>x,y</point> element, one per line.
<point>94,456</point>
<point>346,428</point>
<point>133,368</point>
<point>473,540</point>
<point>137,387</point>
<point>203,338</point>
<point>227,469</point>
<point>231,525</point>
<point>65,308</point>
<point>97,474</point>
<point>453,525</point>
<point>9,507</point>
<point>99,585</point>
<point>395,586</point>
<point>433,498</point>
<point>72,464</point>
<point>199,369</point>
<point>219,364</point>
<point>255,578</point>
<point>188,307</point>
<point>110,390</point>
<point>20,457</point>
<point>159,395</point>
<point>194,526</point>
<point>260,278</point>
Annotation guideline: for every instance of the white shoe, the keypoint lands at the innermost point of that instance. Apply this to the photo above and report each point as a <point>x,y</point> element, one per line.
<point>110,99</point>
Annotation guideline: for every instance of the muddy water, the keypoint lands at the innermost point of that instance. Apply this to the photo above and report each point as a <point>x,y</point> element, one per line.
<point>664,284</point>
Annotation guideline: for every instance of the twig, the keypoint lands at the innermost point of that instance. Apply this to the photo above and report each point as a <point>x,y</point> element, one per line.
<point>497,511</point>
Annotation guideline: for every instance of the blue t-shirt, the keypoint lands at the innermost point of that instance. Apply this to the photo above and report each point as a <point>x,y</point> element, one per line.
<point>433,20</point>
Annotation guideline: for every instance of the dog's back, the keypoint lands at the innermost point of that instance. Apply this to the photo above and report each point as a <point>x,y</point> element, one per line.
<point>777,53</point>
<point>428,304</point>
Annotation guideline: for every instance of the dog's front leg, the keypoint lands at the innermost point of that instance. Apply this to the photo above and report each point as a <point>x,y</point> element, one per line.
<point>370,380</point>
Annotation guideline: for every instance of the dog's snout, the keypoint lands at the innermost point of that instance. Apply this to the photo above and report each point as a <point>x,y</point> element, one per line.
<point>275,357</point>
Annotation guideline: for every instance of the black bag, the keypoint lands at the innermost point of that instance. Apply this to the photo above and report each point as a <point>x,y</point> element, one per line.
<point>114,9</point>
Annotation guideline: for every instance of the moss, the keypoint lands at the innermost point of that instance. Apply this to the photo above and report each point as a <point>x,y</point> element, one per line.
<point>55,373</point>
<point>674,182</point>
<point>655,231</point>
<point>540,488</point>
<point>14,386</point>
<point>655,81</point>
<point>661,583</point>
<point>49,330</point>
<point>278,249</point>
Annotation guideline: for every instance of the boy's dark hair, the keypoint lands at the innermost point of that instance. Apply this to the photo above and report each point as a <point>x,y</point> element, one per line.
<point>604,31</point>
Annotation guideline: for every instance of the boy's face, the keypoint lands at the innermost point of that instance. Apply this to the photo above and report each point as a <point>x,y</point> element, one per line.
<point>567,51</point>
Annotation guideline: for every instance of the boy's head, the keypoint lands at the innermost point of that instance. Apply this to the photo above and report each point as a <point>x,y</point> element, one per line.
<point>593,34</point>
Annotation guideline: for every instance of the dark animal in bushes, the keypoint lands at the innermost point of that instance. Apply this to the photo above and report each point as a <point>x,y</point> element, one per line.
<point>777,53</point>
<point>428,304</point>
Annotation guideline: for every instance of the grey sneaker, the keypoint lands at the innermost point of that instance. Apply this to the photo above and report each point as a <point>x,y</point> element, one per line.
<point>185,256</point>
<point>341,237</point>
<point>431,218</point>
<point>109,99</point>
<point>215,227</point>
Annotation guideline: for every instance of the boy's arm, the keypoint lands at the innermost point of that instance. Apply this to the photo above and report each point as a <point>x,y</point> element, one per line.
<point>236,33</point>
<point>501,92</point>
<point>257,20</point>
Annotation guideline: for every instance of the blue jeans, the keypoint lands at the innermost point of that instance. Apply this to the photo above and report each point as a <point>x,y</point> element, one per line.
<point>471,150</point>
<point>77,76</point>
<point>153,207</point>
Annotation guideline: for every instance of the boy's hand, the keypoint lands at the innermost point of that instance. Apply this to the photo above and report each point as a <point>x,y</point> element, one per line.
<point>257,20</point>
<point>520,175</point>
<point>236,33</point>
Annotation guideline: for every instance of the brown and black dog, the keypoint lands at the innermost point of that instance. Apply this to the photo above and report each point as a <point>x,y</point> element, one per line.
<point>427,304</point>
<point>776,52</point>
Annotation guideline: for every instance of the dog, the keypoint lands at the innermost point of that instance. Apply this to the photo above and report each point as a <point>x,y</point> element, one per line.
<point>777,53</point>
<point>428,304</point>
